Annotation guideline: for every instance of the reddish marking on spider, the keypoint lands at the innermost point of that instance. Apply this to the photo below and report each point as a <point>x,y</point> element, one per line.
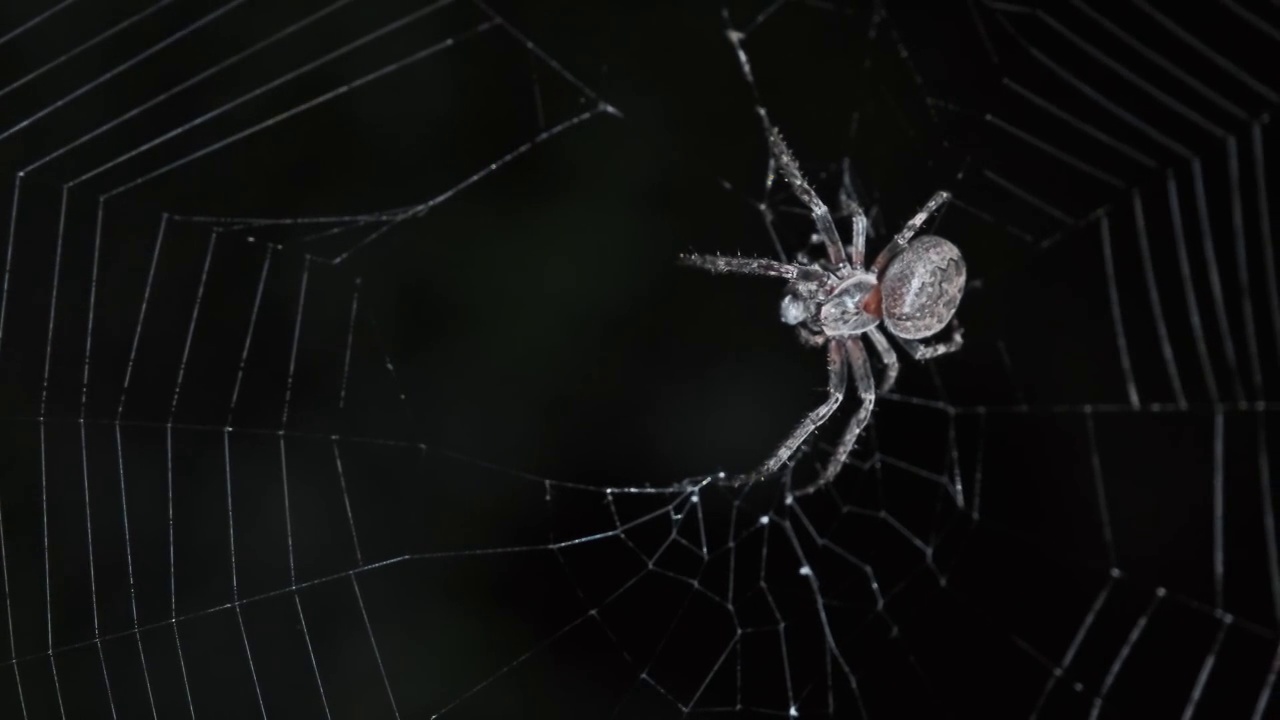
<point>872,304</point>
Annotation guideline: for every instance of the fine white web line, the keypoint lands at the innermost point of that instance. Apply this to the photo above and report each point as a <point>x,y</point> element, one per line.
<point>167,226</point>
<point>1026,26</point>
<point>1222,351</point>
<point>772,604</point>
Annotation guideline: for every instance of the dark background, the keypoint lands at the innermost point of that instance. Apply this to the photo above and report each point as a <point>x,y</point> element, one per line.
<point>461,386</point>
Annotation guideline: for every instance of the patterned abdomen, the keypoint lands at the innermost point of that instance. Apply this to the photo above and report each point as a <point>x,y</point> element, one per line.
<point>921,288</point>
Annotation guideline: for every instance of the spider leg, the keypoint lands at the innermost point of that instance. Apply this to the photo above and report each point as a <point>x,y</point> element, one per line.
<point>836,379</point>
<point>909,230</point>
<point>890,358</point>
<point>850,208</point>
<point>781,155</point>
<point>819,211</point>
<point>925,351</point>
<point>749,266</point>
<point>867,393</point>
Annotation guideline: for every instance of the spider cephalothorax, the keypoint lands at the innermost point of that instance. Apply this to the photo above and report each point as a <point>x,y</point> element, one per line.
<point>913,288</point>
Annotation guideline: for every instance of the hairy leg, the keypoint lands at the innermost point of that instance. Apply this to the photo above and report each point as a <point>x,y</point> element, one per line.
<point>781,157</point>
<point>850,208</point>
<point>923,351</point>
<point>836,379</point>
<point>747,266</point>
<point>909,230</point>
<point>867,394</point>
<point>890,358</point>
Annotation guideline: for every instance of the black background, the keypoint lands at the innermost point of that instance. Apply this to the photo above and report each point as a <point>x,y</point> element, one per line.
<point>529,341</point>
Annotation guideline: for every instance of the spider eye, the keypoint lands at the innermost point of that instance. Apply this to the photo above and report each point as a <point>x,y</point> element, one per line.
<point>793,310</point>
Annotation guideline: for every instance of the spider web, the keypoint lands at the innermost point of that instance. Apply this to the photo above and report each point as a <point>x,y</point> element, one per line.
<point>348,372</point>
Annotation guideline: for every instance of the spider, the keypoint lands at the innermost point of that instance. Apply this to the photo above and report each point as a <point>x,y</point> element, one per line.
<point>912,288</point>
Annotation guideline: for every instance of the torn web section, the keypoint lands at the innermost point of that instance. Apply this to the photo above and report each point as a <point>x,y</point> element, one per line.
<point>832,556</point>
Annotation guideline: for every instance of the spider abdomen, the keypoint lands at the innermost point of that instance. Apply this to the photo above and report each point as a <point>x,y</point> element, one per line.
<point>921,288</point>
